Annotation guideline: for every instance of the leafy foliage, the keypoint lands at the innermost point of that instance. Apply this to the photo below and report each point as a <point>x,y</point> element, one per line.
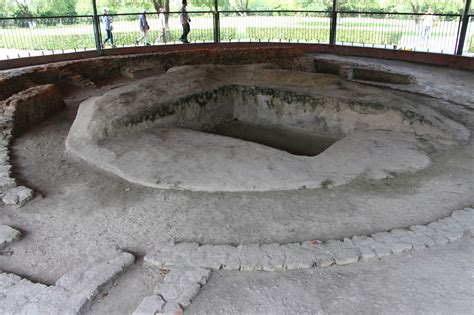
<point>370,37</point>
<point>286,34</point>
<point>19,8</point>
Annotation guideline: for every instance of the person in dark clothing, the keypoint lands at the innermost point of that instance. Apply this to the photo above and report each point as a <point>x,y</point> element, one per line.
<point>144,28</point>
<point>184,19</point>
<point>108,28</point>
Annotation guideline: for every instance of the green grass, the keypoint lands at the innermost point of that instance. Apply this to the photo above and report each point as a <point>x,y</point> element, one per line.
<point>129,38</point>
<point>471,45</point>
<point>346,24</point>
<point>47,42</point>
<point>80,41</point>
<point>174,35</point>
<point>79,38</point>
<point>370,37</point>
<point>322,34</point>
<point>315,23</point>
<point>285,34</point>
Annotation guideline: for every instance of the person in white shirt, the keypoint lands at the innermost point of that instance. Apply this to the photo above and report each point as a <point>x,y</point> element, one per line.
<point>428,21</point>
<point>162,25</point>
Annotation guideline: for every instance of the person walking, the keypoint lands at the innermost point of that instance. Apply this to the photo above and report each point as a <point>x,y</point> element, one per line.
<point>107,19</point>
<point>185,20</point>
<point>428,21</point>
<point>144,28</point>
<point>162,25</point>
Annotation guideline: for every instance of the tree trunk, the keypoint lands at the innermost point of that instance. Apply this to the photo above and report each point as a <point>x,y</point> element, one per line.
<point>416,9</point>
<point>157,5</point>
<point>162,3</point>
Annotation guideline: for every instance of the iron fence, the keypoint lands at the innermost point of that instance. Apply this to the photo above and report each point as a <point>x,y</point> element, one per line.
<point>40,35</point>
<point>275,26</point>
<point>126,30</point>
<point>417,32</point>
<point>23,37</point>
<point>469,42</point>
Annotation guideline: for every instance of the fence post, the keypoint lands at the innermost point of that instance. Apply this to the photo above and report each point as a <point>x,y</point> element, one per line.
<point>95,22</point>
<point>332,32</point>
<point>465,22</point>
<point>217,32</point>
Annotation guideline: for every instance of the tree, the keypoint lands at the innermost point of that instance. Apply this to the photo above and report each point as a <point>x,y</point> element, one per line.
<point>22,9</point>
<point>240,5</point>
<point>421,6</point>
<point>161,4</point>
<point>5,8</point>
<point>56,7</point>
<point>208,4</point>
<point>314,5</point>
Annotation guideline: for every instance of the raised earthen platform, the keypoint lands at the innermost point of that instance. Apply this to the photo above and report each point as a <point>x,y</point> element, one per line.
<point>117,199</point>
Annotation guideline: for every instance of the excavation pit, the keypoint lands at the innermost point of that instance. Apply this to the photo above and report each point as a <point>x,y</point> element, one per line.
<point>289,130</point>
<point>292,141</point>
<point>155,133</point>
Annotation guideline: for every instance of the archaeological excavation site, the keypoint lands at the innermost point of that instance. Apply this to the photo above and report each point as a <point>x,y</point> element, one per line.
<point>237,179</point>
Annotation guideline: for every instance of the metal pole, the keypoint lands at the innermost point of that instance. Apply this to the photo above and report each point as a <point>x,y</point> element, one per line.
<point>95,22</point>
<point>465,22</point>
<point>217,34</point>
<point>332,34</point>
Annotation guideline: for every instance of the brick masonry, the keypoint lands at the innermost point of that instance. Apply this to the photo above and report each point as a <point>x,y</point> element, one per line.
<point>17,113</point>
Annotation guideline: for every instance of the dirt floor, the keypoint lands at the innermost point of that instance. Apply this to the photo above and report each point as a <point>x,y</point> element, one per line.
<point>84,214</point>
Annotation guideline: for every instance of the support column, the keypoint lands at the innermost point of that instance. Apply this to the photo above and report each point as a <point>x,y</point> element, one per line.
<point>96,25</point>
<point>332,34</point>
<point>464,24</point>
<point>217,33</point>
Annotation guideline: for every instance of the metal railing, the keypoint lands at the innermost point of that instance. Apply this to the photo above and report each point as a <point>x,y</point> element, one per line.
<point>23,37</point>
<point>407,31</point>
<point>275,26</point>
<point>42,35</point>
<point>469,39</point>
<point>126,29</point>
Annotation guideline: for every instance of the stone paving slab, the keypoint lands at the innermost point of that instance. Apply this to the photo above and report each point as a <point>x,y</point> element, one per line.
<point>176,292</point>
<point>269,257</point>
<point>19,196</point>
<point>150,305</point>
<point>72,293</point>
<point>191,264</point>
<point>8,235</point>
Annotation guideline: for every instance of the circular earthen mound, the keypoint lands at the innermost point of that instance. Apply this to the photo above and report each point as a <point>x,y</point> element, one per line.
<point>151,132</point>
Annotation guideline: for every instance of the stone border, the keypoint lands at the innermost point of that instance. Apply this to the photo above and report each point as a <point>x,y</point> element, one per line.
<point>360,73</point>
<point>353,71</point>
<point>71,294</point>
<point>8,235</point>
<point>191,265</point>
<point>176,292</point>
<point>16,114</point>
<point>83,73</point>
